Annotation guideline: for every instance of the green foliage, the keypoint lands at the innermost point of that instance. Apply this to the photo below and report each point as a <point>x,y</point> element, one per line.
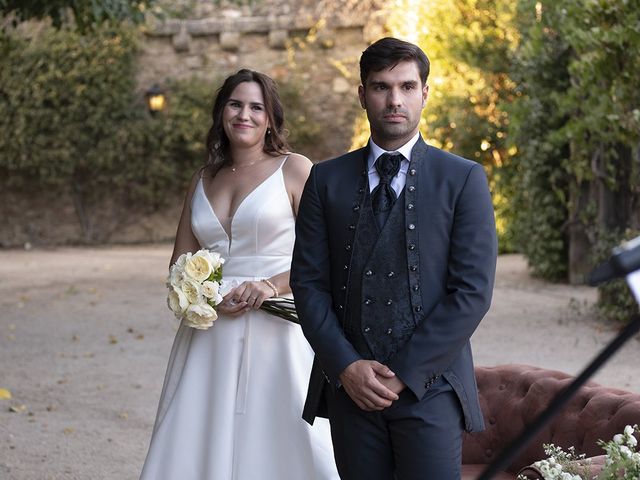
<point>66,105</point>
<point>84,14</point>
<point>534,178</point>
<point>575,124</point>
<point>468,43</point>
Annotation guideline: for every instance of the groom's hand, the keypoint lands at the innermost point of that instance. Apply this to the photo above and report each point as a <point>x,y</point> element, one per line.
<point>394,384</point>
<point>360,380</point>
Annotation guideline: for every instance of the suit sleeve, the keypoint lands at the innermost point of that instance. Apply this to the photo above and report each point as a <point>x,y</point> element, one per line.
<point>440,337</point>
<point>311,285</point>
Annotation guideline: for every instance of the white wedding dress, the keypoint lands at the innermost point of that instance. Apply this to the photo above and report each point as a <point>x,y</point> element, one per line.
<point>232,398</point>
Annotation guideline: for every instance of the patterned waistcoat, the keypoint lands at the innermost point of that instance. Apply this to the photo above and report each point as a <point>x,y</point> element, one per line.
<point>379,318</point>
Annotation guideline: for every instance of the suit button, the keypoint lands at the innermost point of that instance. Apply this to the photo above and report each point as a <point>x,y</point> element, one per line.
<point>416,288</point>
<point>341,307</point>
<point>346,267</point>
<point>389,302</point>
<point>413,268</point>
<point>411,226</point>
<point>361,190</point>
<point>418,308</point>
<point>412,188</point>
<point>356,208</point>
<point>368,301</point>
<point>347,247</point>
<point>367,329</point>
<point>391,274</point>
<point>352,227</point>
<point>389,331</point>
<point>410,206</point>
<point>343,287</point>
<point>412,172</point>
<point>412,246</point>
<point>368,273</point>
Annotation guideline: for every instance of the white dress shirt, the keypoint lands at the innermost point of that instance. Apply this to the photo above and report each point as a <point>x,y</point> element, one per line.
<point>398,182</point>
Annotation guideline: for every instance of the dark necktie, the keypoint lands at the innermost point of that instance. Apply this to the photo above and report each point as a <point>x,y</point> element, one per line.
<point>383,196</point>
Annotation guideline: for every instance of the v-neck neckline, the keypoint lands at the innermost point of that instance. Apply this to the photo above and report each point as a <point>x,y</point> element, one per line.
<point>229,234</point>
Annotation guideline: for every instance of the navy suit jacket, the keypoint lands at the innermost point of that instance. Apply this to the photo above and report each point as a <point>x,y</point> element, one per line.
<point>457,250</point>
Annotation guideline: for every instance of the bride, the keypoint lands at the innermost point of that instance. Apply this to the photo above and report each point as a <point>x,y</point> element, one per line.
<point>232,398</point>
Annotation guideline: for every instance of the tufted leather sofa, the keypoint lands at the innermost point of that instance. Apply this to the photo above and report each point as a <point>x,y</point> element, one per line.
<point>512,396</point>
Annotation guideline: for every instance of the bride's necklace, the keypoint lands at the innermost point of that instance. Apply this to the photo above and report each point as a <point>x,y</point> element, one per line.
<point>244,165</point>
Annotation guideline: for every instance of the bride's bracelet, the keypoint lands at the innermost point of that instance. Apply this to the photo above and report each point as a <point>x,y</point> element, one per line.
<point>272,286</point>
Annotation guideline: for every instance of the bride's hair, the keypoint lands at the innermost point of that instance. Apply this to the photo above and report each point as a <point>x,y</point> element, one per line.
<point>275,140</point>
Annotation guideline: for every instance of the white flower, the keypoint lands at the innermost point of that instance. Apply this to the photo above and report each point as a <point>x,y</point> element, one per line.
<point>200,316</point>
<point>213,257</point>
<point>625,451</point>
<point>198,267</point>
<point>211,290</point>
<point>177,302</point>
<point>193,292</point>
<point>628,430</point>
<point>618,438</point>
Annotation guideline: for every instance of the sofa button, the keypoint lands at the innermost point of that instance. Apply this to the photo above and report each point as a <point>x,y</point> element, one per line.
<point>488,452</point>
<point>492,420</point>
<point>502,387</point>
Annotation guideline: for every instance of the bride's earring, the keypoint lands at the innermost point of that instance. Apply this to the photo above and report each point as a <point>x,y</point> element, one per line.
<point>268,132</point>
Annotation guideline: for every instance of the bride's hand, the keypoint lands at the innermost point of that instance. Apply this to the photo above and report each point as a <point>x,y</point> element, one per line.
<point>251,294</point>
<point>230,307</point>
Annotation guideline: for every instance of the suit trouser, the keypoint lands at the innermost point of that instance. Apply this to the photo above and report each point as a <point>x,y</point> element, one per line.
<point>410,440</point>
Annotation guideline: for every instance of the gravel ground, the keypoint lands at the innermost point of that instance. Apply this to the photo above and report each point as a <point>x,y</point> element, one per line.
<point>85,337</point>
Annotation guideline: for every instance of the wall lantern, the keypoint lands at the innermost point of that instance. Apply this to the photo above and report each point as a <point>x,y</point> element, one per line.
<point>155,99</point>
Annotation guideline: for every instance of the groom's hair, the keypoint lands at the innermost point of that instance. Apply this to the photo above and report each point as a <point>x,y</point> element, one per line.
<point>387,53</point>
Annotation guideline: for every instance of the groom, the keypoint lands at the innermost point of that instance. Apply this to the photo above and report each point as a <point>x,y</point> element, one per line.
<point>392,272</point>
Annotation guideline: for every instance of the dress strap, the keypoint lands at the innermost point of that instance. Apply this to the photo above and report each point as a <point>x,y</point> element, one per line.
<point>283,162</point>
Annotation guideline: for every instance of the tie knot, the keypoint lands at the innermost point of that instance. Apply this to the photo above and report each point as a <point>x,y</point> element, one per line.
<point>388,166</point>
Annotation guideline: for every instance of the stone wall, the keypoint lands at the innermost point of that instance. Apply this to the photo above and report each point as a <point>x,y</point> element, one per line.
<point>318,53</point>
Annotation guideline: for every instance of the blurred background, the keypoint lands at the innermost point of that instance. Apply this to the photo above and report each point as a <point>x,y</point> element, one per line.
<point>104,108</point>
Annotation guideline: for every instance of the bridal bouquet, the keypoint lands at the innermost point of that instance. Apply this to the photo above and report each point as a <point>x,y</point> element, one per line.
<point>194,284</point>
<point>196,287</point>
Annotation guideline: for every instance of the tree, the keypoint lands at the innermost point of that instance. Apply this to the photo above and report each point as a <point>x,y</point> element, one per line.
<point>87,14</point>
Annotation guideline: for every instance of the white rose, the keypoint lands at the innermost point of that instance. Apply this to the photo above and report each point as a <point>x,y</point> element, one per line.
<point>177,302</point>
<point>198,267</point>
<point>214,257</point>
<point>176,276</point>
<point>210,289</point>
<point>200,316</point>
<point>193,291</point>
<point>618,438</point>
<point>631,441</point>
